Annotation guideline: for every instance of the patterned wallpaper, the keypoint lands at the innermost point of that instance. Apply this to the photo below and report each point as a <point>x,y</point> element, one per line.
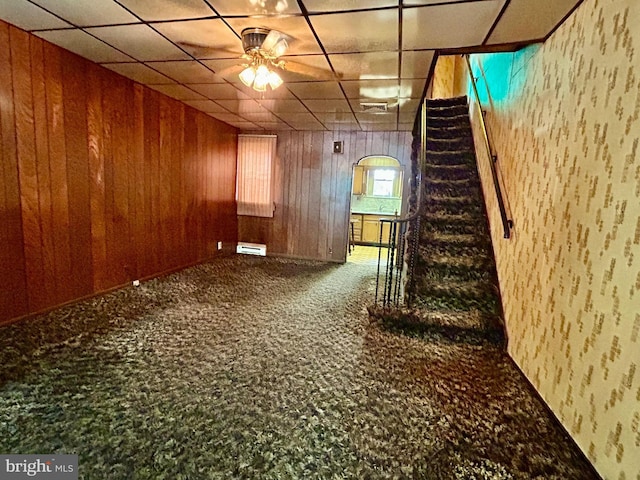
<point>564,117</point>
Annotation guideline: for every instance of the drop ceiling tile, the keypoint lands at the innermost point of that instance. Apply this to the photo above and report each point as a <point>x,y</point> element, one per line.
<point>247,127</point>
<point>376,117</point>
<point>336,117</point>
<point>416,64</point>
<point>302,40</point>
<point>328,105</point>
<point>275,126</point>
<point>356,103</point>
<point>448,26</point>
<point>342,126</point>
<point>525,21</point>
<point>268,8</point>
<point>407,3</point>
<point>411,88</point>
<point>227,117</point>
<point>218,91</point>
<point>319,90</point>
<point>83,13</point>
<point>283,106</point>
<point>307,126</point>
<point>367,31</point>
<point>371,89</point>
<point>177,91</point>
<point>150,10</point>
<point>138,72</point>
<point>188,71</point>
<point>139,41</point>
<point>356,66</point>
<point>304,68</point>
<point>242,106</point>
<point>28,16</point>
<point>408,106</point>
<point>207,106</point>
<point>259,117</point>
<point>341,5</point>
<point>379,127</point>
<point>210,38</point>
<point>83,44</point>
<point>292,118</point>
<point>226,68</point>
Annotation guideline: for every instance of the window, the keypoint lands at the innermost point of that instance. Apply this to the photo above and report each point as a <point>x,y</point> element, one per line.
<point>383,182</point>
<point>254,191</point>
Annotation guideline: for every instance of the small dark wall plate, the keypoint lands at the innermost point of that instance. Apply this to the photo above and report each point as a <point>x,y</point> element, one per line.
<point>337,147</point>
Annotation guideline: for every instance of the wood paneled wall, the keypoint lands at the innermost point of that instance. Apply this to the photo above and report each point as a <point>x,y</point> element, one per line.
<point>102,180</point>
<point>312,191</point>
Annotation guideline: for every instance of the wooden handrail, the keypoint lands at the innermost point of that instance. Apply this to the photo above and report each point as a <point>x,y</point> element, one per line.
<point>507,224</point>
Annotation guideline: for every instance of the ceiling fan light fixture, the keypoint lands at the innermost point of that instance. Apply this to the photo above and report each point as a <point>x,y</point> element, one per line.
<point>262,78</point>
<point>274,80</point>
<point>248,75</point>
<point>280,48</point>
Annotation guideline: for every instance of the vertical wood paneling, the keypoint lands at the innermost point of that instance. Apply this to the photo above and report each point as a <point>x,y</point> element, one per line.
<point>315,191</point>
<point>76,141</point>
<point>137,173</point>
<point>13,279</point>
<point>42,170</point>
<point>27,166</point>
<point>97,176</point>
<point>101,180</point>
<point>58,169</point>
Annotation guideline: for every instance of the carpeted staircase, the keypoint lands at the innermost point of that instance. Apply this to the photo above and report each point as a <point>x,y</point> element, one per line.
<point>456,291</point>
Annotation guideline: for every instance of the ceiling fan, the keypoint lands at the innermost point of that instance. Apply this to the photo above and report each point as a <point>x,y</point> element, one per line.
<point>260,66</point>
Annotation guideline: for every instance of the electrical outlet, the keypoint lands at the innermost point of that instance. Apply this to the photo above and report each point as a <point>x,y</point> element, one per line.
<point>219,245</point>
<point>136,283</point>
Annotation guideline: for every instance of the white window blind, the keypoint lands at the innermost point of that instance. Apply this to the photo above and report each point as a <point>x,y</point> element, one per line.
<point>254,189</point>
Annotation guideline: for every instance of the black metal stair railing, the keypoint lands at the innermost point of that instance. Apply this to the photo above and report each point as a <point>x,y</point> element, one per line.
<point>395,287</point>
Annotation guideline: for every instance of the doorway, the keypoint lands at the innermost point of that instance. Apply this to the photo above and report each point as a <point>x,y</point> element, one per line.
<point>376,194</point>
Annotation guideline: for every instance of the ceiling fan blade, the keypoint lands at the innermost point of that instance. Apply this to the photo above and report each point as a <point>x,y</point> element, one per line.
<point>276,44</point>
<point>205,51</point>
<point>309,71</point>
<point>230,71</point>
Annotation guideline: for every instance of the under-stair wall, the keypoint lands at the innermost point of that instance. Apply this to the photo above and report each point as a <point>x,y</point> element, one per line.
<point>565,125</point>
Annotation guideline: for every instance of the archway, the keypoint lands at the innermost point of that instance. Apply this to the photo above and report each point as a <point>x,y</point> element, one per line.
<point>376,193</point>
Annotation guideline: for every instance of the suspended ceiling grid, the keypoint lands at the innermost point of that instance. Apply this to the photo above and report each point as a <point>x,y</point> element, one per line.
<point>380,51</point>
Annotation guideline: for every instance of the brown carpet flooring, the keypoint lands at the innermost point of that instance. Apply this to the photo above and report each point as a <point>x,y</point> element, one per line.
<point>259,368</point>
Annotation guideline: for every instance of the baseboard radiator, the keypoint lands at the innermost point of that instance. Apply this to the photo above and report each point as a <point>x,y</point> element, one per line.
<point>252,249</point>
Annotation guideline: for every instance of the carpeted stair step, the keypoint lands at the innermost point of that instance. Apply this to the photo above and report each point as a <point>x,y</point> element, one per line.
<point>453,224</point>
<point>453,206</point>
<point>458,188</point>
<point>447,111</point>
<point>457,298</point>
<point>473,327</point>
<point>445,266</point>
<point>459,144</point>
<point>451,157</point>
<point>478,248</point>
<point>469,240</point>
<point>446,131</point>
<point>446,102</point>
<point>461,201</point>
<point>450,172</point>
<point>437,120</point>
